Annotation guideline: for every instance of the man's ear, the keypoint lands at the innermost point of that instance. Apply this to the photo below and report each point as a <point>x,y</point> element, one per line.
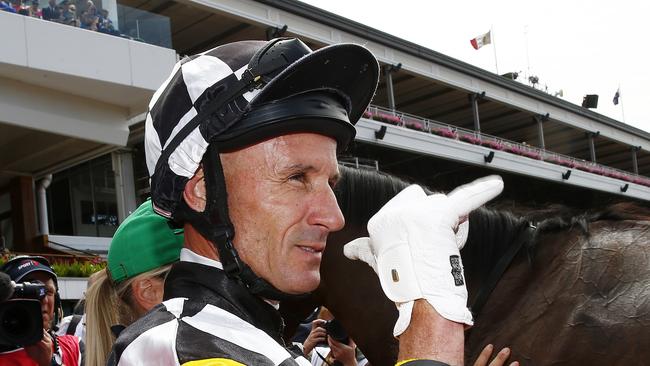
<point>194,193</point>
<point>147,292</point>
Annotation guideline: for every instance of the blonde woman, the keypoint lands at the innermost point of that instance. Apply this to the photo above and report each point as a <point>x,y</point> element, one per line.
<point>140,256</point>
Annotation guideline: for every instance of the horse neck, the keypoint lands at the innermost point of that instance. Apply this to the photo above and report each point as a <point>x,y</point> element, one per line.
<point>491,234</point>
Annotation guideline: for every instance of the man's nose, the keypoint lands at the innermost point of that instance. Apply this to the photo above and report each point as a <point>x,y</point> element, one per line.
<point>327,212</point>
<point>45,301</point>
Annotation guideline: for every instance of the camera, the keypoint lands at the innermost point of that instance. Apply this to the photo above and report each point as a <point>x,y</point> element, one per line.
<point>29,290</point>
<point>21,321</point>
<point>335,330</point>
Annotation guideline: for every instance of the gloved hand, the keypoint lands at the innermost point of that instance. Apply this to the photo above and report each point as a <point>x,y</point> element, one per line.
<point>414,249</point>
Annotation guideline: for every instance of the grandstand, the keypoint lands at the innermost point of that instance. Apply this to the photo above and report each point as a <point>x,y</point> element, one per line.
<point>73,102</point>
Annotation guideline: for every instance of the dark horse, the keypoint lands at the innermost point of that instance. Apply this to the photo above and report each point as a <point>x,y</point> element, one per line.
<point>576,293</point>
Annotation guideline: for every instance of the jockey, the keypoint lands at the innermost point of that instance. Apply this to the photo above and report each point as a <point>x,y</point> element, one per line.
<point>241,145</point>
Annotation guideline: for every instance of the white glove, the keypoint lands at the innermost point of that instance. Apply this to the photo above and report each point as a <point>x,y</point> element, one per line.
<point>414,249</point>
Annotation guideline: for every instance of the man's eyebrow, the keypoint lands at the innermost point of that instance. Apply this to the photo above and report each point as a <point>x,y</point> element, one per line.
<point>306,169</point>
<point>297,168</point>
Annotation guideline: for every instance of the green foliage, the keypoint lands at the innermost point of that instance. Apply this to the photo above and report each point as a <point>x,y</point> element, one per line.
<point>74,268</point>
<point>77,268</point>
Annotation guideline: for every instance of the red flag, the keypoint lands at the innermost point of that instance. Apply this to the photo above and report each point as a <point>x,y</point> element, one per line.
<point>481,40</point>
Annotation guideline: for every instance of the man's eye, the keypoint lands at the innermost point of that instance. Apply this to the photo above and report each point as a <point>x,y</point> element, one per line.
<point>300,177</point>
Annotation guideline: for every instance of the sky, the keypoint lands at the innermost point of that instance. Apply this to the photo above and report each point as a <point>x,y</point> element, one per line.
<point>579,47</point>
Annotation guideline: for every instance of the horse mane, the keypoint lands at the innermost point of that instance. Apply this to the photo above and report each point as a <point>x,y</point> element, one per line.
<point>491,233</point>
<point>361,192</point>
<point>495,229</point>
<point>556,217</point>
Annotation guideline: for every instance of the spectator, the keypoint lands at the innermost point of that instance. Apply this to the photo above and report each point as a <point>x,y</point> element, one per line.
<point>305,328</point>
<point>69,15</point>
<point>35,11</point>
<point>80,5</point>
<point>89,18</point>
<point>6,6</point>
<point>105,24</point>
<point>132,284</point>
<point>75,324</point>
<point>51,12</point>
<point>21,8</point>
<point>322,349</point>
<point>51,349</point>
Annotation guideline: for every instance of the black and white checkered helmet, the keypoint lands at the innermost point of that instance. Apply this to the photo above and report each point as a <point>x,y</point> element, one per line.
<point>244,92</point>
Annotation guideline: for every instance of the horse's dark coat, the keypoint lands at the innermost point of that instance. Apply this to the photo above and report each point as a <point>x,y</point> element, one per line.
<point>578,294</point>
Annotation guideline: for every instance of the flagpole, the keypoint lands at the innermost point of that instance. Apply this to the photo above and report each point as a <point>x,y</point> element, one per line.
<point>494,47</point>
<point>527,53</point>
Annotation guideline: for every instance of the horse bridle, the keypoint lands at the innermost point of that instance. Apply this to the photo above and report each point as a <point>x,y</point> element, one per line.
<point>502,265</point>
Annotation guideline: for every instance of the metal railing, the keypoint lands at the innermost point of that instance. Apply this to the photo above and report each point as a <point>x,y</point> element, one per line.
<point>497,143</point>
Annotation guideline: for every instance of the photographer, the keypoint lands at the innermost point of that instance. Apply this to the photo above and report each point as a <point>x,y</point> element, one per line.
<point>51,349</point>
<point>328,343</point>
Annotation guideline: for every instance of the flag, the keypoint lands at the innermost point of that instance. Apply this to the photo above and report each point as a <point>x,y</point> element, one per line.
<point>616,96</point>
<point>481,40</point>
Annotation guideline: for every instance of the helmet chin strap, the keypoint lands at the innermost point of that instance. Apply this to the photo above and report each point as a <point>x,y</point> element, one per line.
<point>215,225</point>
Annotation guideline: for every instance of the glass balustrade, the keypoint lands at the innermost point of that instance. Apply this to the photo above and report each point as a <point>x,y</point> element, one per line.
<point>103,16</point>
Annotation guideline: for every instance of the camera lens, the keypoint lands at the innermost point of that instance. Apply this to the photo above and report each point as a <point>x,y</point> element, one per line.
<point>29,290</point>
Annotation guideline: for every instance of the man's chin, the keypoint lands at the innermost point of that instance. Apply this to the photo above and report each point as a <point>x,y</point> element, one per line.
<point>47,321</point>
<point>301,285</point>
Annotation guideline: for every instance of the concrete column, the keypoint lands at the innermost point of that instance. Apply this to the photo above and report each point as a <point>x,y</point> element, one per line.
<point>124,183</point>
<point>635,164</point>
<point>473,101</point>
<point>41,204</point>
<point>389,89</point>
<point>540,119</point>
<point>389,70</point>
<point>592,147</point>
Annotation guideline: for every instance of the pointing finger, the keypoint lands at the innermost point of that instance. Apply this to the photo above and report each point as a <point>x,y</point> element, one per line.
<point>469,197</point>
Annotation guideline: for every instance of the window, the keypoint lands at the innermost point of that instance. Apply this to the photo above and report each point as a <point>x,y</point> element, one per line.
<point>6,225</point>
<point>82,200</point>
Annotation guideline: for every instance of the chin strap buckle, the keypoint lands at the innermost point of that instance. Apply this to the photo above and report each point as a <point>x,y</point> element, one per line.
<point>231,263</point>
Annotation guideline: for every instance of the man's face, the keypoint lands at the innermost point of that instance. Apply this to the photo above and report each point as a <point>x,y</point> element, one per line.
<point>47,303</point>
<point>282,206</point>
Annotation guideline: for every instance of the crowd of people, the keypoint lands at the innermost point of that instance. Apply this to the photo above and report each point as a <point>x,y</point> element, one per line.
<point>241,147</point>
<point>76,13</point>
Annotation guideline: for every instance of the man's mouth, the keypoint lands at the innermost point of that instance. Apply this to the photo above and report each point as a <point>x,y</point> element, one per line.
<point>312,249</point>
